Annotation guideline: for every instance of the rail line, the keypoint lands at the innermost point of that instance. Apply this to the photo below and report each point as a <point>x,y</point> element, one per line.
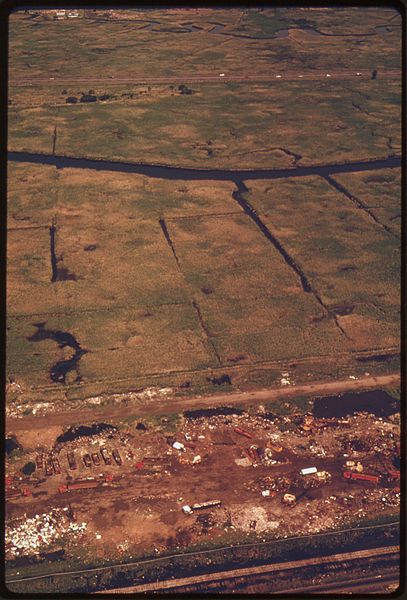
<point>263,569</point>
<point>202,552</point>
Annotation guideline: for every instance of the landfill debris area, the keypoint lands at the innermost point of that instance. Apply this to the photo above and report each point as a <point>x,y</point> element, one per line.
<point>31,535</point>
<point>140,486</point>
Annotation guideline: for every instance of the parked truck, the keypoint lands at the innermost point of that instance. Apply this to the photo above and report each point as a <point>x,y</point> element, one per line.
<point>243,432</point>
<point>71,460</point>
<point>105,455</point>
<point>360,477</point>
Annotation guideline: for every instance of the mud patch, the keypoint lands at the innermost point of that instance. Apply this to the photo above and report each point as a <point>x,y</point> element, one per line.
<point>212,412</point>
<point>11,444</point>
<point>74,433</point>
<point>377,402</point>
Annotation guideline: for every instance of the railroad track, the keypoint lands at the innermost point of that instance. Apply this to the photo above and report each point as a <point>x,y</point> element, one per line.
<point>260,570</point>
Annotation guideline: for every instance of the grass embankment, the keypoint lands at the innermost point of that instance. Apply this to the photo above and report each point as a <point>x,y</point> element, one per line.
<point>214,559</point>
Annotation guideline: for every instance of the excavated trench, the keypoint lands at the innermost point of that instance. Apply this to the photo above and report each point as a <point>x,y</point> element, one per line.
<point>340,188</point>
<point>194,303</point>
<point>54,140</point>
<point>306,286</point>
<point>59,370</point>
<point>57,273</point>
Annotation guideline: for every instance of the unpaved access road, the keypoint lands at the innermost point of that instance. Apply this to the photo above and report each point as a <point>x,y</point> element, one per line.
<point>212,78</point>
<point>174,404</point>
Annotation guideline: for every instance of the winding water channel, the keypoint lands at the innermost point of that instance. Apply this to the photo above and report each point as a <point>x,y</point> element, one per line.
<point>188,173</point>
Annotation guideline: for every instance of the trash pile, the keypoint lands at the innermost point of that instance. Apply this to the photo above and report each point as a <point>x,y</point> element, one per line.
<point>32,534</point>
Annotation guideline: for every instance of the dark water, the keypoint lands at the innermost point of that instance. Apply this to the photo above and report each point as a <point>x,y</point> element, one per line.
<point>60,369</point>
<point>183,173</point>
<point>11,444</point>
<point>249,210</point>
<point>74,433</point>
<point>377,402</point>
<point>377,358</point>
<point>212,412</point>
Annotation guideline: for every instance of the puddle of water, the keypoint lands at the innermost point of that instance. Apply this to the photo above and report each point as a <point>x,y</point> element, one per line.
<point>74,433</point>
<point>11,444</point>
<point>212,412</point>
<point>376,358</point>
<point>220,380</point>
<point>377,402</point>
<point>60,369</point>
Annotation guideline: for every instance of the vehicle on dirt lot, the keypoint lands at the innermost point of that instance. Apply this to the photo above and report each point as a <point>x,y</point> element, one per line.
<point>87,460</point>
<point>105,456</point>
<point>71,460</point>
<point>117,457</point>
<point>95,458</point>
<point>56,466</point>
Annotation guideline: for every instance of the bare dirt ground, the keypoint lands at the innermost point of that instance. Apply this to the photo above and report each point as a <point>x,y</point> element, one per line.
<point>136,506</point>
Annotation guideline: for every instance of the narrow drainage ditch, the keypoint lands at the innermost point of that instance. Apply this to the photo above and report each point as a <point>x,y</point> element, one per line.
<point>191,174</point>
<point>54,140</point>
<point>194,303</point>
<point>377,402</point>
<point>61,368</point>
<point>340,188</point>
<point>58,273</point>
<point>306,286</point>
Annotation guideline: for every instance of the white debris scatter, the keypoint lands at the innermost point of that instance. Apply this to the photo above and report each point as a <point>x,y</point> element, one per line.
<point>30,536</point>
<point>253,517</point>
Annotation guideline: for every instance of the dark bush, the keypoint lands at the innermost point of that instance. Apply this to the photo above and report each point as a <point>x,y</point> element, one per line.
<point>88,98</point>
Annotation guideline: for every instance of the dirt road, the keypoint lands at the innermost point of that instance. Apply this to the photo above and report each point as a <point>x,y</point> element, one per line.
<point>174,404</point>
<point>212,78</point>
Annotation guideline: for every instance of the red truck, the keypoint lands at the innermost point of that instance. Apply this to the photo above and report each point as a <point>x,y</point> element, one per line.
<point>243,432</point>
<point>80,485</point>
<point>361,476</point>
